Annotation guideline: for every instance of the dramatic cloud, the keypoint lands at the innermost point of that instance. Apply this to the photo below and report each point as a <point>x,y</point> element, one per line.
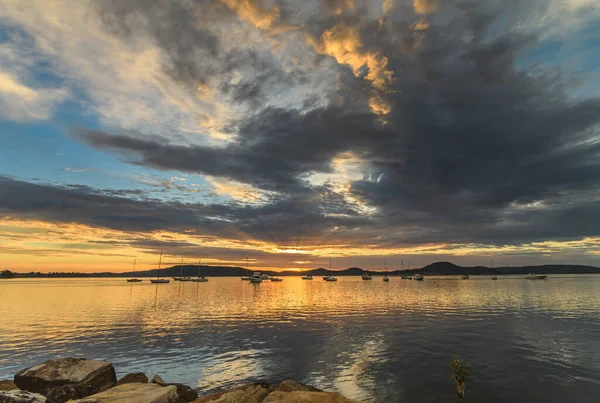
<point>361,126</point>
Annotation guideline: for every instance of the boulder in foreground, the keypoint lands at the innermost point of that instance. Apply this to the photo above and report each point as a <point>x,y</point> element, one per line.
<point>137,377</point>
<point>64,393</point>
<point>8,385</point>
<point>285,392</point>
<point>20,396</point>
<point>303,396</point>
<point>134,393</point>
<point>252,393</point>
<point>41,378</point>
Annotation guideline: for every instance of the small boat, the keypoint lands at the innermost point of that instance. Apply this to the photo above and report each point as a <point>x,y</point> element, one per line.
<point>159,280</point>
<point>246,278</point>
<point>307,277</point>
<point>465,277</point>
<point>265,276</point>
<point>385,277</point>
<point>533,276</point>
<point>199,278</point>
<point>185,279</point>
<point>256,278</point>
<point>494,277</point>
<point>418,277</point>
<point>366,276</point>
<point>405,277</point>
<point>134,280</point>
<point>176,278</point>
<point>276,279</point>
<point>329,277</point>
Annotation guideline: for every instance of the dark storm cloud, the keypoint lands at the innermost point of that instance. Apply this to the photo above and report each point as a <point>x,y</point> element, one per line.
<point>478,147</point>
<point>287,221</point>
<point>273,151</point>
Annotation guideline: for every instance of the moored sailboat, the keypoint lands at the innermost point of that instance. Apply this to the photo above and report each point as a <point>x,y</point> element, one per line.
<point>159,280</point>
<point>134,280</point>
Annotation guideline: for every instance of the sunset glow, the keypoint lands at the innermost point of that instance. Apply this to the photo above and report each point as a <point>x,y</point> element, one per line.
<point>288,134</point>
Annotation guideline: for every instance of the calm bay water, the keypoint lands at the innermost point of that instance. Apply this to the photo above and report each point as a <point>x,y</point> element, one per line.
<point>527,341</point>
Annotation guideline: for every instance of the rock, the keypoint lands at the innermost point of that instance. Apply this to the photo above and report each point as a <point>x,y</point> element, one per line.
<point>133,393</point>
<point>7,385</point>
<point>185,393</point>
<point>291,386</point>
<point>20,396</point>
<point>64,393</point>
<point>157,379</point>
<point>253,393</point>
<point>53,373</point>
<point>302,396</point>
<point>137,377</point>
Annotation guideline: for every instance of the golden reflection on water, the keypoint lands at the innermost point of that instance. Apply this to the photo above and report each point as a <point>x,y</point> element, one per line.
<point>335,335</point>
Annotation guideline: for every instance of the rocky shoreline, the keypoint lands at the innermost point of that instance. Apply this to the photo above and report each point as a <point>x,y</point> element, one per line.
<point>79,380</point>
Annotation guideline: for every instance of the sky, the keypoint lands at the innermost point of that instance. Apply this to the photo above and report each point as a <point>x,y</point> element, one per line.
<point>288,133</point>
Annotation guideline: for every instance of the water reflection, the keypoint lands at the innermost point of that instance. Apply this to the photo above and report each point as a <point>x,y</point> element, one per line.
<point>372,341</point>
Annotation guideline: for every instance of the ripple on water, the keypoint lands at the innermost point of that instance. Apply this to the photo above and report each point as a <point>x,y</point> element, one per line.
<point>373,341</point>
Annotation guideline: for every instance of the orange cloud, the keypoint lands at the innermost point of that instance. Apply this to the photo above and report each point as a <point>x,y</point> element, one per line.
<point>426,6</point>
<point>254,12</point>
<point>344,45</point>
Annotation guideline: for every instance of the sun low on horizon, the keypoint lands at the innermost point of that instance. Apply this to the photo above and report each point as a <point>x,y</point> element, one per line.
<point>278,134</point>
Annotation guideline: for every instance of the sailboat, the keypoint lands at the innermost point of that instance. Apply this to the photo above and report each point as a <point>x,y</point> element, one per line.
<point>385,277</point>
<point>199,279</point>
<point>134,280</point>
<point>366,276</point>
<point>329,278</point>
<point>159,280</point>
<point>247,278</point>
<point>404,276</point>
<point>493,277</point>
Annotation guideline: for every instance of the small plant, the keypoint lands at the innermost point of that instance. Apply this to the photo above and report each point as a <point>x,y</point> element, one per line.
<point>460,374</point>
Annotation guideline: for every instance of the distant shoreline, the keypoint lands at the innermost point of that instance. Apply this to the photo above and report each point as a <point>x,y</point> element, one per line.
<point>438,268</point>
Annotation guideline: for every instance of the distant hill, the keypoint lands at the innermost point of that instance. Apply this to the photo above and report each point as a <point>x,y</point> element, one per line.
<point>439,268</point>
<point>447,268</point>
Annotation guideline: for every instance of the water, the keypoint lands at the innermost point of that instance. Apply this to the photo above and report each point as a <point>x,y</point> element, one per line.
<point>527,341</point>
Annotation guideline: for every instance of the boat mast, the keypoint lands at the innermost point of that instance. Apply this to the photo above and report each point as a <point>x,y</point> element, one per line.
<point>159,260</point>
<point>329,263</point>
<point>199,264</point>
<point>134,265</point>
<point>181,267</point>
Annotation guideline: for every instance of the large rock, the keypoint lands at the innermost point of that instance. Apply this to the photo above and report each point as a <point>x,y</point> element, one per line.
<point>185,393</point>
<point>64,393</point>
<point>134,393</point>
<point>306,397</point>
<point>7,385</point>
<point>291,386</point>
<point>137,377</point>
<point>53,373</point>
<point>20,396</point>
<point>157,379</point>
<point>253,393</point>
